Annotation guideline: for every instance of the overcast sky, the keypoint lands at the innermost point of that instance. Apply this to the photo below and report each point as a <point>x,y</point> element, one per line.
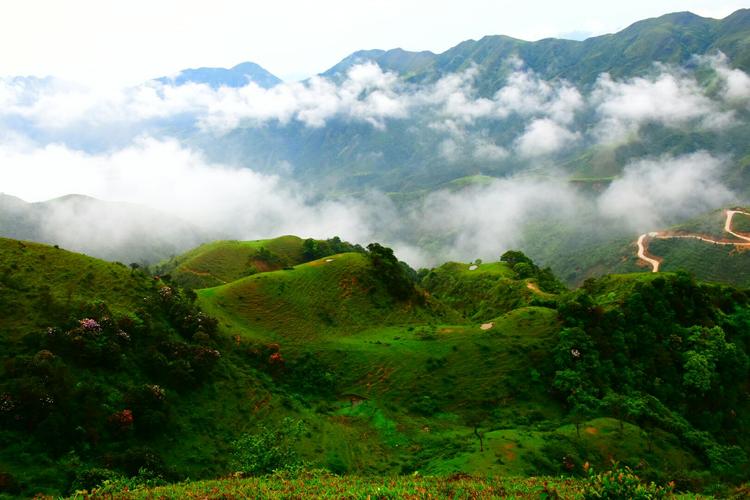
<point>125,42</point>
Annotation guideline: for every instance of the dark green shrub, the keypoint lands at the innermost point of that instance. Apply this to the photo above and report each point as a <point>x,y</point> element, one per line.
<point>269,449</point>
<point>88,479</point>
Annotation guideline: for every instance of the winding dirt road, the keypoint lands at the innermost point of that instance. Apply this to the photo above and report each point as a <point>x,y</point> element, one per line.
<point>655,262</point>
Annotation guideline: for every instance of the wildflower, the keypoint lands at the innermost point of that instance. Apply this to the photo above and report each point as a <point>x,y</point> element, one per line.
<point>90,325</point>
<point>575,353</point>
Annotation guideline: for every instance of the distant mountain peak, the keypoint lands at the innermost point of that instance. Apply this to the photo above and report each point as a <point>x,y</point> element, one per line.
<point>236,76</point>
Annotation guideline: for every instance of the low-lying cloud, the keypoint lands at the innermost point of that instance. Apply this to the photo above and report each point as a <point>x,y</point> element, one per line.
<point>231,202</point>
<point>528,118</point>
<point>652,193</point>
<point>544,116</point>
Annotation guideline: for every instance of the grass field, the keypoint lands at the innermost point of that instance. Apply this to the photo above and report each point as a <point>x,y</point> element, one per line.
<point>222,262</point>
<point>39,283</point>
<point>479,291</point>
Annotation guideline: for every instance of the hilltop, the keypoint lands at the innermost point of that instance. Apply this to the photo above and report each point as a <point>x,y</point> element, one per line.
<point>671,38</point>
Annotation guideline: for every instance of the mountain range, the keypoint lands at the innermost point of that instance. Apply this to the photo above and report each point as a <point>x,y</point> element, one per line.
<point>421,128</point>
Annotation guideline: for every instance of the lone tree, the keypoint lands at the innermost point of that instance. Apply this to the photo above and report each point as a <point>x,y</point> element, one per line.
<point>394,275</point>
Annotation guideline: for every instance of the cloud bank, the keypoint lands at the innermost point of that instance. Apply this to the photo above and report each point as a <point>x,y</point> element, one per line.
<point>542,117</point>
<point>479,221</point>
<point>528,118</point>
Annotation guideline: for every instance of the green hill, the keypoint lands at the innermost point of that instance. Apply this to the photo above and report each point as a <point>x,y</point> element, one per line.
<point>336,294</point>
<point>135,380</point>
<point>222,262</point>
<point>40,285</point>
<point>704,259</point>
<point>481,291</point>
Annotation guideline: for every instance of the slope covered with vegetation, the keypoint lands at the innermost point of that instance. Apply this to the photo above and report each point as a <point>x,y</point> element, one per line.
<point>357,364</point>
<point>220,262</point>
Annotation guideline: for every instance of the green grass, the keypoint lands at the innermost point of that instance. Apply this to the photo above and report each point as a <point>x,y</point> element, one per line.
<point>322,485</point>
<point>741,223</point>
<point>337,294</point>
<point>480,292</point>
<point>221,262</point>
<point>710,224</point>
<point>39,283</point>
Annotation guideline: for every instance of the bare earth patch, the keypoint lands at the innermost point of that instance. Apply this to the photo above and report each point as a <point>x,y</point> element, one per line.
<point>487,326</point>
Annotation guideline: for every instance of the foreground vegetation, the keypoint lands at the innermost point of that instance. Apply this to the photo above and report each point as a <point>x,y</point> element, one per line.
<point>321,484</point>
<point>114,379</point>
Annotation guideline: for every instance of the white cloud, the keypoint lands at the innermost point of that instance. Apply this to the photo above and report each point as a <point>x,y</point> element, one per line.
<point>653,193</point>
<point>673,100</point>
<point>484,221</point>
<point>528,95</point>
<point>162,174</point>
<point>545,136</point>
<point>735,82</point>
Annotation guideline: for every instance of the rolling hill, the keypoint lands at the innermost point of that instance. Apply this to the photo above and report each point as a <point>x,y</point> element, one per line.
<point>107,370</point>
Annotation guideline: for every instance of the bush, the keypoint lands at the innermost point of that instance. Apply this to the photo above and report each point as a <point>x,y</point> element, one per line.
<point>622,483</point>
<point>88,479</point>
<point>269,450</point>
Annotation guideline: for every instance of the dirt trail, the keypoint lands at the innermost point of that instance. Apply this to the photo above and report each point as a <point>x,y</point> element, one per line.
<point>728,224</point>
<point>201,273</point>
<point>642,253</point>
<point>655,262</point>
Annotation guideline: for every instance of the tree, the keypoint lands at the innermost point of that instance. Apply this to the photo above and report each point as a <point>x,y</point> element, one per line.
<point>269,449</point>
<point>391,272</point>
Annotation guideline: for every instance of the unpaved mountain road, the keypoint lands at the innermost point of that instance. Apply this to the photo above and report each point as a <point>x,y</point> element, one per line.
<point>655,262</point>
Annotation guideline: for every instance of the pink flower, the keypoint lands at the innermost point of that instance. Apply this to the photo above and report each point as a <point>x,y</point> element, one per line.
<point>90,325</point>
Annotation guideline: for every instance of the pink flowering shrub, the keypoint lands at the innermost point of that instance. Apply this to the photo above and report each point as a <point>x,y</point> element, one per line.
<point>90,325</point>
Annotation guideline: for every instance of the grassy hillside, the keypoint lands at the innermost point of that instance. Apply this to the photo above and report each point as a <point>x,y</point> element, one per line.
<point>333,295</point>
<point>40,285</point>
<point>220,262</point>
<point>720,263</point>
<point>481,291</point>
<point>376,376</point>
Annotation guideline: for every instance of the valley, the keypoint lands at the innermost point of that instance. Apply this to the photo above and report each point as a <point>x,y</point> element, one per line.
<point>473,265</point>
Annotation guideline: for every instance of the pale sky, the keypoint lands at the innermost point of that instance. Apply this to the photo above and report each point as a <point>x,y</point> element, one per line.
<point>126,42</point>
